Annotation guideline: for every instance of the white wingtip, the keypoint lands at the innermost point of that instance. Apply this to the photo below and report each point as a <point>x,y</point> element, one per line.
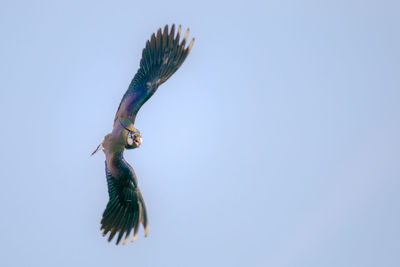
<point>134,237</point>
<point>190,45</point>
<point>186,35</point>
<point>179,30</point>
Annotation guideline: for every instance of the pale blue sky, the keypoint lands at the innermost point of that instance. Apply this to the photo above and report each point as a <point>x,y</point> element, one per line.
<point>275,144</point>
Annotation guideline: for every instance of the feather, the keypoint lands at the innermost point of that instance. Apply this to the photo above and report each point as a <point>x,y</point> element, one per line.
<point>161,57</point>
<point>125,208</point>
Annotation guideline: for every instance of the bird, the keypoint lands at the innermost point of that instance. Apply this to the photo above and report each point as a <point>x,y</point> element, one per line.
<point>163,54</point>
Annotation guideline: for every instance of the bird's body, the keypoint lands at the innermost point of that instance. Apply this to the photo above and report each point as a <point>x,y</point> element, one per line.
<point>125,210</point>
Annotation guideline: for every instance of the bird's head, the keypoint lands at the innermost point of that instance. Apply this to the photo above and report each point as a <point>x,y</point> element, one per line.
<point>133,138</point>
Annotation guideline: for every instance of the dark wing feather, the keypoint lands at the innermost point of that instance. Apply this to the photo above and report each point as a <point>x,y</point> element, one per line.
<point>125,209</point>
<point>161,57</point>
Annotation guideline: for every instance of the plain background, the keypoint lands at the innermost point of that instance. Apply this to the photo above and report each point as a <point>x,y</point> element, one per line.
<point>275,144</point>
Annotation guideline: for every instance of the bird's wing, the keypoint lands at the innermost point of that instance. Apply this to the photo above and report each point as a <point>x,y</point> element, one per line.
<point>162,56</point>
<point>125,209</point>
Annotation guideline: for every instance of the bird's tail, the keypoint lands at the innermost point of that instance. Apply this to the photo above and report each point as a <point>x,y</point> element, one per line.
<point>162,56</point>
<point>125,211</point>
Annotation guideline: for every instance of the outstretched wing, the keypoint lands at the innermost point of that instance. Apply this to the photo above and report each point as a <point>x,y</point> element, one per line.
<point>161,57</point>
<point>125,209</point>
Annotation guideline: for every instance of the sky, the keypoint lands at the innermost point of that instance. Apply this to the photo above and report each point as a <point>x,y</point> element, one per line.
<point>275,144</point>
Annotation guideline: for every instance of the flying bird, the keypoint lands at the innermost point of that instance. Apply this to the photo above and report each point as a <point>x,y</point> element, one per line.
<point>163,54</point>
